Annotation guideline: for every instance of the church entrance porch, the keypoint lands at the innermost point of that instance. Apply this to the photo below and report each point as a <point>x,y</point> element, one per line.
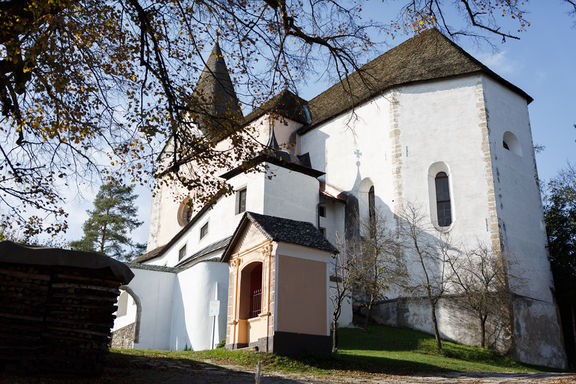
<point>277,298</point>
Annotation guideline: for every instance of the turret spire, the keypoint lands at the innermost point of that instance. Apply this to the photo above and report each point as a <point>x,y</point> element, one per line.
<point>218,109</point>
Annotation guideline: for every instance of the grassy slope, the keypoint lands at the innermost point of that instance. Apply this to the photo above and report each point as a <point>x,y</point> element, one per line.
<point>383,350</point>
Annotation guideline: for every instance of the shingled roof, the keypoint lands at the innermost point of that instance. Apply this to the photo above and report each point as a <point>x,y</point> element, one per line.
<point>427,56</point>
<point>281,230</point>
<point>218,107</point>
<point>285,104</point>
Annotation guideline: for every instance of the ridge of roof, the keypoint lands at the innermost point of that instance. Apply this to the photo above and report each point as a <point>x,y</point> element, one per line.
<point>425,57</point>
<point>281,230</point>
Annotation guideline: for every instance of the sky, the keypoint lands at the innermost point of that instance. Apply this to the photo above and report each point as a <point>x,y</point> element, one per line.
<point>542,63</point>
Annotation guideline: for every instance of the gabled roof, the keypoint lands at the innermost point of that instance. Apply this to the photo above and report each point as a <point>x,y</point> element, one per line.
<point>427,56</point>
<point>218,104</point>
<point>280,230</point>
<point>285,104</point>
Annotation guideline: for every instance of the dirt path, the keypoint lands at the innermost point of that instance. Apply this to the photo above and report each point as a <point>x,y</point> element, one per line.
<point>144,370</point>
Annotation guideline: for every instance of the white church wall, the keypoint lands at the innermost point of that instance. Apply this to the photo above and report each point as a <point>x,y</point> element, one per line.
<point>192,327</point>
<point>126,313</point>
<point>154,289</point>
<point>521,219</point>
<point>290,194</point>
<point>522,229</point>
<point>222,219</point>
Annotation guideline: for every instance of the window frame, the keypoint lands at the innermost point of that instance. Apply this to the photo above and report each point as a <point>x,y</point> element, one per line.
<point>442,201</point>
<point>241,194</point>
<point>182,252</point>
<point>204,230</point>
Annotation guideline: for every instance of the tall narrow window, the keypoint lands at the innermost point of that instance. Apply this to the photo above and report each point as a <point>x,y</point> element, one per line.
<point>443,206</point>
<point>204,231</point>
<point>182,253</point>
<point>371,205</point>
<point>241,201</point>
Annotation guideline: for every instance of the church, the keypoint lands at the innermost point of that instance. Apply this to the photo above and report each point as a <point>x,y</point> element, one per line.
<point>434,128</point>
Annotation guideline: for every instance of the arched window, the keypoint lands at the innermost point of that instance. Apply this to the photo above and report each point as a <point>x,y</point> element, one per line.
<point>511,143</point>
<point>443,205</point>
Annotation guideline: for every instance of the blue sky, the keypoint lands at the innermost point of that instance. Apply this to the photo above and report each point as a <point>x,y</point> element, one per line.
<point>542,63</point>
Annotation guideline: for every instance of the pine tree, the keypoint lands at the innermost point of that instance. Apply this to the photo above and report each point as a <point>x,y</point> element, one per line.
<point>113,218</point>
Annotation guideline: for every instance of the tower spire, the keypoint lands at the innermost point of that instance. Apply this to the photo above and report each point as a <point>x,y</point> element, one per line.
<point>217,108</point>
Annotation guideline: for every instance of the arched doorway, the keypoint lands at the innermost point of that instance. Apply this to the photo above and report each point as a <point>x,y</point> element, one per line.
<point>250,304</point>
<point>127,323</point>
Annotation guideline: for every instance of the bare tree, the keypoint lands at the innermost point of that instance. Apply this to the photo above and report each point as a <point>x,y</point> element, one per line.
<point>430,251</point>
<point>373,258</point>
<point>340,290</point>
<point>478,277</point>
<point>94,88</point>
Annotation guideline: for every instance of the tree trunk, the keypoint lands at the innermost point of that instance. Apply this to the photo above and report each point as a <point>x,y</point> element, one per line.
<point>334,335</point>
<point>368,312</point>
<point>483,331</point>
<point>436,332</point>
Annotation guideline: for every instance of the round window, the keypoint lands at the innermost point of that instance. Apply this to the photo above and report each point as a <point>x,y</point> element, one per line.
<point>185,211</point>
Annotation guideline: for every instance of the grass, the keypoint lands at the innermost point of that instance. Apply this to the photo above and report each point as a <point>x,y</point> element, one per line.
<point>380,350</point>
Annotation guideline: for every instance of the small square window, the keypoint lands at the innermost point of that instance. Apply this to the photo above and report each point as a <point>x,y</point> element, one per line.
<point>182,253</point>
<point>241,201</point>
<point>204,231</point>
<point>322,231</point>
<point>321,211</point>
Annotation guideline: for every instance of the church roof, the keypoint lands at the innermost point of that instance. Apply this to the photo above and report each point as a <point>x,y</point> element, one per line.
<point>279,158</point>
<point>204,251</point>
<point>148,255</point>
<point>218,106</point>
<point>285,104</point>
<point>427,56</point>
<point>281,230</point>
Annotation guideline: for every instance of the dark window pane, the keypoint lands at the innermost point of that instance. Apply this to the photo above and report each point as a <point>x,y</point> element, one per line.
<point>182,253</point>
<point>443,205</point>
<point>241,201</point>
<point>204,230</point>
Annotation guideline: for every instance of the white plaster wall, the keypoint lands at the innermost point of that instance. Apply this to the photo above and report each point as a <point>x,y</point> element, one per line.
<point>155,291</point>
<point>517,194</point>
<point>221,218</point>
<point>129,317</point>
<point>522,229</point>
<point>196,286</point>
<point>294,250</point>
<point>290,194</point>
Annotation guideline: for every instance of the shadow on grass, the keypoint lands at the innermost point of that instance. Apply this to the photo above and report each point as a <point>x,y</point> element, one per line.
<point>369,364</point>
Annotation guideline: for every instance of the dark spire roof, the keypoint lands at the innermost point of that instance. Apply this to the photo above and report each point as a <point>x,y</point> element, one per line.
<point>218,108</point>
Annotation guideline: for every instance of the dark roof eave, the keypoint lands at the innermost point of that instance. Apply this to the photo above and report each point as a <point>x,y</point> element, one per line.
<point>307,128</point>
<point>272,160</point>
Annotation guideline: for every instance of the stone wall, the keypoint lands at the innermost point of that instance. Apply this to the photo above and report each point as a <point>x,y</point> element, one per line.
<point>123,338</point>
